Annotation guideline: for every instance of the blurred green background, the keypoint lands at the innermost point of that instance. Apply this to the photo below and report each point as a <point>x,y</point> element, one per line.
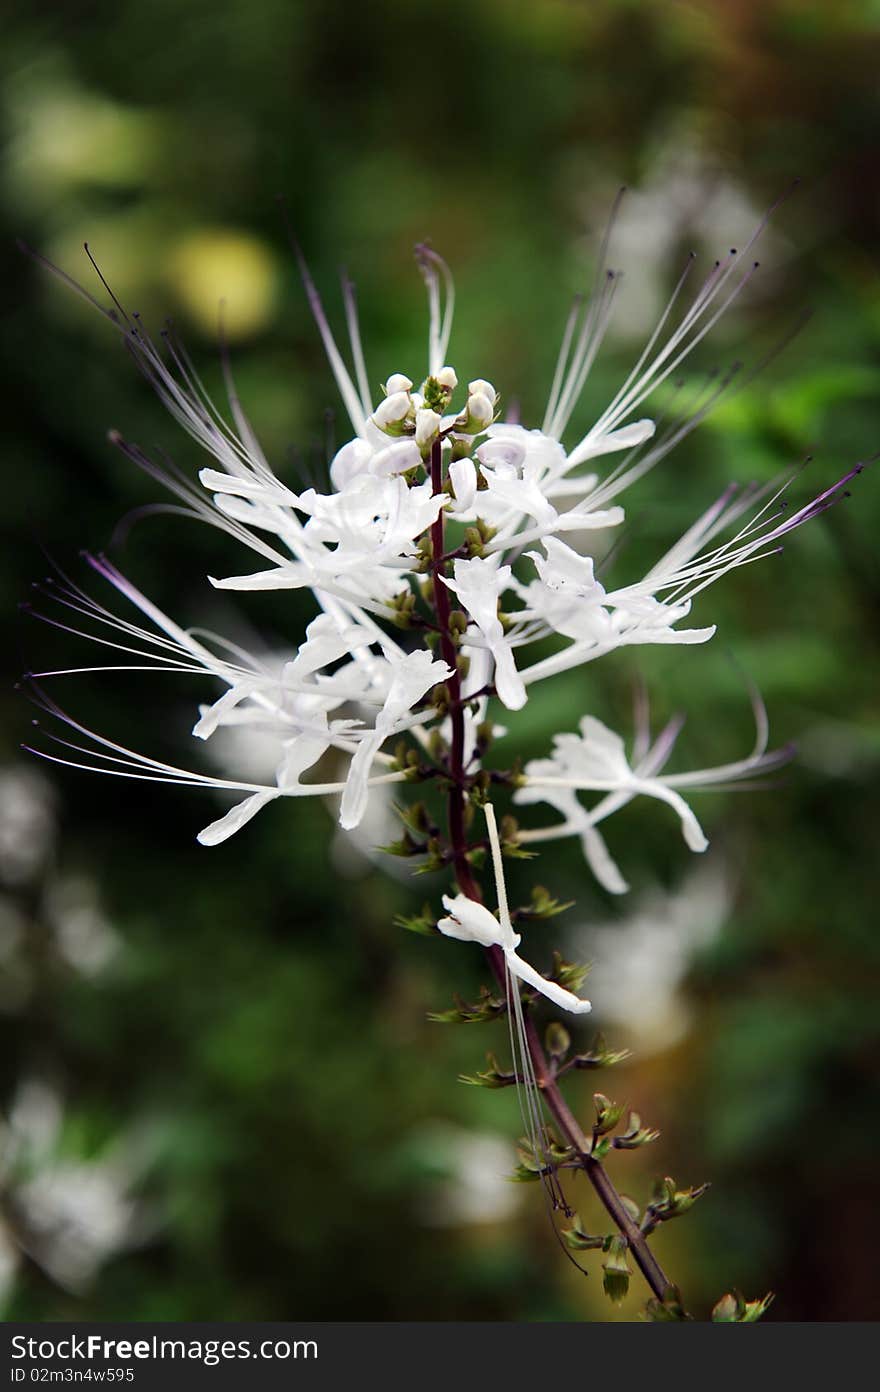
<point>220,1096</point>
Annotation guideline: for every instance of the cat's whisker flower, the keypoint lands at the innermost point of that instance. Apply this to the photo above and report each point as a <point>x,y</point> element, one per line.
<point>595,761</point>
<point>363,543</point>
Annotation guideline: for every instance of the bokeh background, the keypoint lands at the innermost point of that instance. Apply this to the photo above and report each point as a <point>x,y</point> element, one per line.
<point>219,1092</point>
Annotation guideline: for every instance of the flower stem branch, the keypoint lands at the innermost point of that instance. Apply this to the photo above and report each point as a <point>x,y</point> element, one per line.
<point>556,1104</point>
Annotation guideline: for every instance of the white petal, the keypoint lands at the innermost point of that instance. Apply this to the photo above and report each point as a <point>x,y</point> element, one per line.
<point>693,833</point>
<point>508,682</point>
<point>354,798</point>
<point>281,578</point>
<point>599,859</point>
<point>469,921</point>
<point>464,480</point>
<point>648,633</point>
<point>566,1000</point>
<point>235,819</point>
<point>628,437</point>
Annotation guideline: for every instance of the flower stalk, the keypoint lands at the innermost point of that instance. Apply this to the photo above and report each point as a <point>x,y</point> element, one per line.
<point>551,1093</point>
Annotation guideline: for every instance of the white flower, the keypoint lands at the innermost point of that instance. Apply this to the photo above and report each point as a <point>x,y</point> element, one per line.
<point>469,921</point>
<point>567,599</point>
<point>292,708</point>
<point>357,543</point>
<point>478,583</point>
<point>382,458</point>
<point>411,676</point>
<point>595,761</point>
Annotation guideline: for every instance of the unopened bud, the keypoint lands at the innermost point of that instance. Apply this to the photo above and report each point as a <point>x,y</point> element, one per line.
<point>447,378</point>
<point>392,411</point>
<point>480,411</point>
<point>397,382</point>
<point>480,387</point>
<point>427,425</point>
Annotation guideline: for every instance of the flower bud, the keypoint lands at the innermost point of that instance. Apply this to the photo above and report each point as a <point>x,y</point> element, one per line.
<point>481,387</point>
<point>391,412</point>
<point>397,383</point>
<point>447,378</point>
<point>480,411</point>
<point>427,425</point>
<point>463,475</point>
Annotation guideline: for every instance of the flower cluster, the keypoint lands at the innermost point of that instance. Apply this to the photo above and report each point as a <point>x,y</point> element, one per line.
<point>447,544</point>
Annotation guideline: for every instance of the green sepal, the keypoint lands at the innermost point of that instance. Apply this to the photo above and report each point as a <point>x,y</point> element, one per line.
<point>511,851</point>
<point>486,1009</point>
<point>543,905</point>
<point>532,1165</point>
<point>406,846</point>
<point>608,1114</point>
<point>631,1207</point>
<point>436,858</point>
<point>669,1310</point>
<point>494,1076</point>
<point>557,1040</point>
<point>406,759</point>
<point>473,543</point>
<point>416,818</point>
<point>616,1279</point>
<point>424,923</point>
<point>733,1308</point>
<point>636,1134</point>
<point>571,975</point>
<point>402,608</point>
<point>600,1056</point>
<point>577,1240</point>
<point>669,1202</point>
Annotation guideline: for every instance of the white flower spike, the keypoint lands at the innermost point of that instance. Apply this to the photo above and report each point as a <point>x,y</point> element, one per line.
<point>364,546</point>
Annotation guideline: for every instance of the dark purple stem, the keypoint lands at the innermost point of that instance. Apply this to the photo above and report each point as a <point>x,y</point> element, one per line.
<point>556,1103</point>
